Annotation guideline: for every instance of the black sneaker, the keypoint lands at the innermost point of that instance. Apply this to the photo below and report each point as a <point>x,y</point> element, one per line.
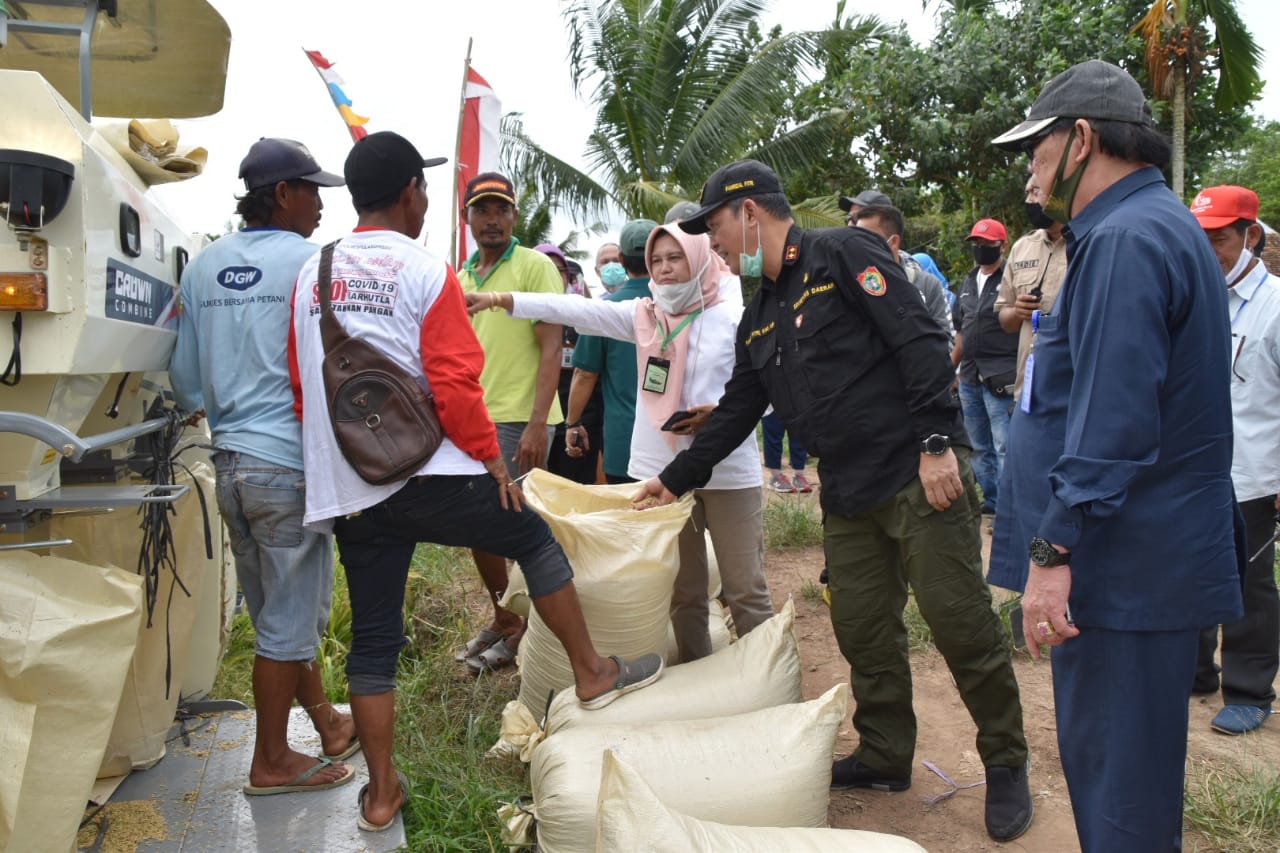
<point>847,773</point>
<point>1009,808</point>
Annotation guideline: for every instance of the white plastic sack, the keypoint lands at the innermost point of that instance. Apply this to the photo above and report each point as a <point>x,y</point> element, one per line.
<point>624,565</point>
<point>67,632</point>
<point>765,768</point>
<point>631,817</point>
<point>759,671</point>
<point>115,539</point>
<point>516,597</point>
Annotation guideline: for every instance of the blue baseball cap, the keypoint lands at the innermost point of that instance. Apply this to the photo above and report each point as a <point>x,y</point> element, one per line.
<point>271,160</point>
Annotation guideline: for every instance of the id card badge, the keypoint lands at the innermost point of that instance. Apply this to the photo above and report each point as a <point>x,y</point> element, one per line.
<point>1025,401</point>
<point>655,374</point>
<point>566,357</point>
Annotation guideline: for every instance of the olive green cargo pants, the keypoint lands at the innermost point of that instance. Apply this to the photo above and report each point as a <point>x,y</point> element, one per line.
<point>870,560</point>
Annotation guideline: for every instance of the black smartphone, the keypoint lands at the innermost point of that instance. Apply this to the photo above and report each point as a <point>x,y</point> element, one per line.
<point>676,418</point>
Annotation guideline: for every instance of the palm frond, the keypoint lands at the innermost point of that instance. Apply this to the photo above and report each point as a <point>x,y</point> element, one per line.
<point>821,212</point>
<point>1239,57</point>
<point>574,191</point>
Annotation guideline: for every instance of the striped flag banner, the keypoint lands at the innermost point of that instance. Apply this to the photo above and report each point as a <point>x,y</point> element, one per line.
<point>354,121</point>
<point>477,146</point>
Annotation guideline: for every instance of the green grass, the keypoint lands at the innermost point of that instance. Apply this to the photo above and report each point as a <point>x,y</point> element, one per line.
<point>446,718</point>
<point>1234,808</point>
<point>810,591</point>
<point>919,636</point>
<point>791,521</point>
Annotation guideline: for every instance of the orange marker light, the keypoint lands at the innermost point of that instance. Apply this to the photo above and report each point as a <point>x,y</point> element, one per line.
<point>24,291</point>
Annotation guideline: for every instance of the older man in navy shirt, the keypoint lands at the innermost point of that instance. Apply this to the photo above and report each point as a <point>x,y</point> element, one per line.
<point>1121,458</point>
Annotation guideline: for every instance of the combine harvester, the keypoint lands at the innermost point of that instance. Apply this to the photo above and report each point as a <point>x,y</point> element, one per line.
<point>116,583</point>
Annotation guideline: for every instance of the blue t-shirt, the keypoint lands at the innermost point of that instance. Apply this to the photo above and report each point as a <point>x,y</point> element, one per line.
<point>615,362</point>
<point>231,358</point>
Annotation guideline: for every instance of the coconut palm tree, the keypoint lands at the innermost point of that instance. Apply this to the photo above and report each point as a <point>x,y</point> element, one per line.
<point>680,87</point>
<point>1177,52</point>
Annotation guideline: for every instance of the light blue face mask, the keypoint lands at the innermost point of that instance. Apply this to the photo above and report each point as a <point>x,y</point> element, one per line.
<point>613,275</point>
<point>751,266</point>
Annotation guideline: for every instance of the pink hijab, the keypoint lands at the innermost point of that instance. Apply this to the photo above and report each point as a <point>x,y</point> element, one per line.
<point>653,324</point>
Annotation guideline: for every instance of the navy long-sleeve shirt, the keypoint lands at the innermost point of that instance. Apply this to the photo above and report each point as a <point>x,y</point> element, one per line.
<point>1125,455</point>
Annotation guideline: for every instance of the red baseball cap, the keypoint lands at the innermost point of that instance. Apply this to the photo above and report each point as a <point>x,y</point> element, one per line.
<point>988,229</point>
<point>1218,207</point>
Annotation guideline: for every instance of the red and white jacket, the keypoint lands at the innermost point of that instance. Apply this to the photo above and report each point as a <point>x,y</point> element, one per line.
<point>393,293</point>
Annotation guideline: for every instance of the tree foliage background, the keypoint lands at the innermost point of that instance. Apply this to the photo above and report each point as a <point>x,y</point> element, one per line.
<point>683,86</point>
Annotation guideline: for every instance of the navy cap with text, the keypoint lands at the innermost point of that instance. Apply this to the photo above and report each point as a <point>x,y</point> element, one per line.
<point>742,179</point>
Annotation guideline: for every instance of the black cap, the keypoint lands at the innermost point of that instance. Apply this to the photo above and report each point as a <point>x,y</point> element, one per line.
<point>1093,89</point>
<point>866,198</point>
<point>680,210</point>
<point>742,179</point>
<point>272,160</point>
<point>488,185</point>
<point>381,165</point>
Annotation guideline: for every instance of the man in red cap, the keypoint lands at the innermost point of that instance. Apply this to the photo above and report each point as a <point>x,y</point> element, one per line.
<point>1250,656</point>
<point>987,356</point>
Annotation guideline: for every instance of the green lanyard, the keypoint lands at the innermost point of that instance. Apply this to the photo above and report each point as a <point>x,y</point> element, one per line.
<point>671,336</point>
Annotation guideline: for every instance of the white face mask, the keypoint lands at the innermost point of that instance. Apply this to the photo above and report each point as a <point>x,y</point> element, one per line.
<point>679,298</point>
<point>1237,272</point>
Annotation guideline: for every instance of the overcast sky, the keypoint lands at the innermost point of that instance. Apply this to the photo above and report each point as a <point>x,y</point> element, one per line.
<point>402,64</point>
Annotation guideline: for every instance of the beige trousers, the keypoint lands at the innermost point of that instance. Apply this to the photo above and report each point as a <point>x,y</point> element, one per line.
<point>735,518</point>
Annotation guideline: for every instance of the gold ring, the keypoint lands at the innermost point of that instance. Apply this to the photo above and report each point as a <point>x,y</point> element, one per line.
<point>1046,629</point>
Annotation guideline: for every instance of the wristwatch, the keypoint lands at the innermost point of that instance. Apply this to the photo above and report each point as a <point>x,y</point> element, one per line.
<point>1043,553</point>
<point>935,445</point>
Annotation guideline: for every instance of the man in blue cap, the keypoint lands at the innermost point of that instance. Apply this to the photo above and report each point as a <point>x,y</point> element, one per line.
<point>230,361</point>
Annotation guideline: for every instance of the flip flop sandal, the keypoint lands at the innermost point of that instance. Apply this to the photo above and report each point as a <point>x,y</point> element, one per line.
<point>353,746</point>
<point>632,675</point>
<point>501,654</point>
<point>478,644</point>
<point>373,827</point>
<point>299,784</point>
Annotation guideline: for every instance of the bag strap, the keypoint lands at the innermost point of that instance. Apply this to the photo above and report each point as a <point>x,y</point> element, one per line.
<point>331,332</point>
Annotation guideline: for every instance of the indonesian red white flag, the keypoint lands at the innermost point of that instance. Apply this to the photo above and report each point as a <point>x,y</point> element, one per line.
<point>477,147</point>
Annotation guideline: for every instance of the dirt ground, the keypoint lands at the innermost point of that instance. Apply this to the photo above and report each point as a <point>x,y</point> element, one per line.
<point>946,736</point>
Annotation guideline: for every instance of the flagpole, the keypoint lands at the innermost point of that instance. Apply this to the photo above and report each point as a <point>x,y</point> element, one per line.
<point>457,154</point>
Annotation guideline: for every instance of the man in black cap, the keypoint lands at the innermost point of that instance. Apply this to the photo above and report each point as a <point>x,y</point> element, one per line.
<point>389,290</point>
<point>230,361</point>
<point>852,204</point>
<point>840,343</point>
<point>1120,458</point>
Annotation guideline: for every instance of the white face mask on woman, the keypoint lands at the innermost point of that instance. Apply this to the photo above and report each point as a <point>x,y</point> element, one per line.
<point>679,298</point>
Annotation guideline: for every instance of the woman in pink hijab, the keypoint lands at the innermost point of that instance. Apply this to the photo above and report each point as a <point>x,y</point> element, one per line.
<point>684,337</point>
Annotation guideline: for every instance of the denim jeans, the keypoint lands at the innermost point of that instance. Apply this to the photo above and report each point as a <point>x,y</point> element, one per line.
<point>377,544</point>
<point>986,419</point>
<point>771,426</point>
<point>284,570</point>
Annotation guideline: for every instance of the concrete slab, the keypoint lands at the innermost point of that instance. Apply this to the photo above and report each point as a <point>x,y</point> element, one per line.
<point>196,790</point>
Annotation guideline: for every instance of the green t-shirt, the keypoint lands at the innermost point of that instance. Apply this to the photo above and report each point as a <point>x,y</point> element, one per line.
<point>511,351</point>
